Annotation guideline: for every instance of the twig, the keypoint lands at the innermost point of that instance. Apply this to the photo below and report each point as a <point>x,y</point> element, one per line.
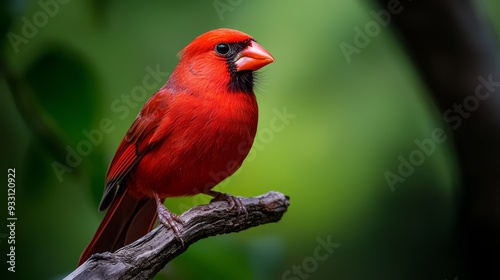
<point>148,255</point>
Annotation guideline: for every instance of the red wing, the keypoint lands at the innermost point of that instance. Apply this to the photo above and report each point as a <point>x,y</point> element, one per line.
<point>134,145</point>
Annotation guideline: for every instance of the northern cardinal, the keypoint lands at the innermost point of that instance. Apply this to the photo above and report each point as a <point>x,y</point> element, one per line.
<point>200,123</point>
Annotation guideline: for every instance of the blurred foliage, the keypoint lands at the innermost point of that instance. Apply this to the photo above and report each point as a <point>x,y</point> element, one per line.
<point>348,124</point>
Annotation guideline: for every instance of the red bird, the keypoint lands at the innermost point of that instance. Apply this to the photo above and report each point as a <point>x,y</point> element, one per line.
<point>201,122</point>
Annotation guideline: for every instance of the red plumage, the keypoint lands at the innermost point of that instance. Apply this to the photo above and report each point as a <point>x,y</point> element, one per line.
<point>202,122</point>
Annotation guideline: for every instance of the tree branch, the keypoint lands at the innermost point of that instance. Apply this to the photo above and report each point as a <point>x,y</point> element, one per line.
<point>145,257</point>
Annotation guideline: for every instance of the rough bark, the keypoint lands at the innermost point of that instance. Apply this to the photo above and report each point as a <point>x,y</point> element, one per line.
<point>148,255</point>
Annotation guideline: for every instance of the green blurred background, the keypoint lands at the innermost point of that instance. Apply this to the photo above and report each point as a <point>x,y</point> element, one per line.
<point>348,122</point>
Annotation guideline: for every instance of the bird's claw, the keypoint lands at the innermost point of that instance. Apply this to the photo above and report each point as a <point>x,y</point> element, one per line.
<point>169,219</point>
<point>234,202</point>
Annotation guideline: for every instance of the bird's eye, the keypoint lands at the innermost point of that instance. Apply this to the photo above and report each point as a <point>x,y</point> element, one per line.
<point>222,48</point>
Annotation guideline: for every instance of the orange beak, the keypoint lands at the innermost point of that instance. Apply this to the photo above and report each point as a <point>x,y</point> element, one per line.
<point>253,57</point>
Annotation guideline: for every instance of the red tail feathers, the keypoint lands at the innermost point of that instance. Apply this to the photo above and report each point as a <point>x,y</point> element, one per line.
<point>126,220</point>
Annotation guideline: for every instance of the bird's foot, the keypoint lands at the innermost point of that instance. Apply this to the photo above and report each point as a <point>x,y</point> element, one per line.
<point>233,201</point>
<point>168,219</point>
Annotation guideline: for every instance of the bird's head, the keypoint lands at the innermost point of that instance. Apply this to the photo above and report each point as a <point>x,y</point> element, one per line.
<point>220,58</point>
